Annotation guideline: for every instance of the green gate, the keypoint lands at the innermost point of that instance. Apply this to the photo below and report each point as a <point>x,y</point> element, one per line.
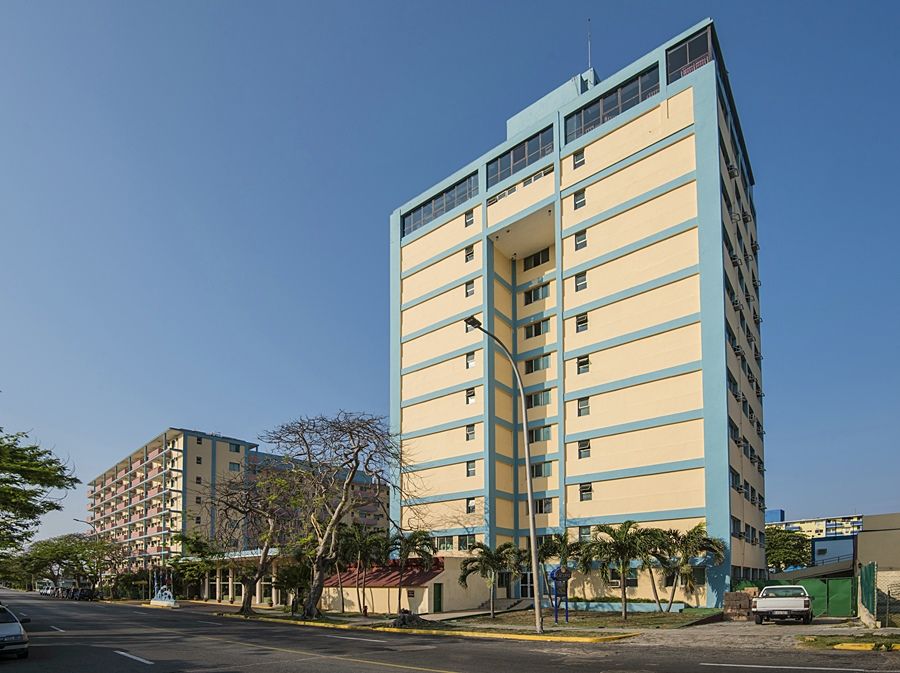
<point>867,586</point>
<point>834,597</point>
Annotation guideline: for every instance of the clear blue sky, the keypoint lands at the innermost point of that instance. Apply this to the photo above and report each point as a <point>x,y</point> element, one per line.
<point>194,203</point>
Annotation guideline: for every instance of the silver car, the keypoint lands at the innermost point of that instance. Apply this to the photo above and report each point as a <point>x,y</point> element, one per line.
<point>13,638</point>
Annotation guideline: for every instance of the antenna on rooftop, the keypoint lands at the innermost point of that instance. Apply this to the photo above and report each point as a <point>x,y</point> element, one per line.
<point>589,43</point>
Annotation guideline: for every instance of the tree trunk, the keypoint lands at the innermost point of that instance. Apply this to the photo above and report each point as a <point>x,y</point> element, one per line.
<point>247,597</point>
<point>400,589</point>
<point>340,585</point>
<point>359,600</point>
<point>316,584</point>
<point>365,576</point>
<point>493,582</point>
<point>653,584</point>
<point>672,593</point>
<point>623,582</point>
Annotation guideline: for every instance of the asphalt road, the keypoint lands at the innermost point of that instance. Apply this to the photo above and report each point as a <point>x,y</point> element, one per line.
<point>76,637</point>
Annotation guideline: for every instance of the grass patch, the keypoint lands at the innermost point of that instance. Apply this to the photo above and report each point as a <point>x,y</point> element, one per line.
<point>596,620</point>
<point>882,642</point>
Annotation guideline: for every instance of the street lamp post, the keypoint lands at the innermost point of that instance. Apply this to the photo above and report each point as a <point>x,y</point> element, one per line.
<point>94,533</point>
<point>474,323</point>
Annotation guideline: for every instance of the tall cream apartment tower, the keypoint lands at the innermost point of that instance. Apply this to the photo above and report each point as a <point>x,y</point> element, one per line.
<point>610,241</point>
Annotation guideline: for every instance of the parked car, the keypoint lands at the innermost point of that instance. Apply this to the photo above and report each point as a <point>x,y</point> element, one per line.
<point>787,601</point>
<point>13,638</point>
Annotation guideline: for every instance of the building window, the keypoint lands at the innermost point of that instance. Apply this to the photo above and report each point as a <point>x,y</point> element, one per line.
<point>541,434</point>
<point>538,399</point>
<point>470,432</point>
<point>470,253</point>
<point>524,154</point>
<point>199,440</point>
<point>543,506</point>
<point>470,214</point>
<point>470,396</point>
<point>234,448</point>
<point>537,293</point>
<point>584,448</point>
<point>685,58</point>
<point>583,364</point>
<point>447,200</point>
<point>443,543</point>
<point>470,288</point>
<point>470,505</point>
<point>581,240</point>
<point>585,492</point>
<point>199,460</point>
<point>470,468</point>
<point>196,519</point>
<point>234,467</point>
<point>469,328</point>
<point>612,103</point>
<point>584,533</point>
<point>578,199</point>
<point>537,364</point>
<point>734,478</point>
<point>537,328</point>
<point>541,469</point>
<point>465,542</point>
<point>631,577</point>
<point>746,490</point>
<point>584,406</point>
<point>581,281</point>
<point>735,527</point>
<point>198,480</point>
<point>578,159</point>
<point>198,500</point>
<point>470,360</point>
<point>536,259</point>
<point>581,322</point>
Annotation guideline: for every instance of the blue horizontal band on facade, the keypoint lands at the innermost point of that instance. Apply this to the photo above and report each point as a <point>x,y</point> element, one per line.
<point>439,359</point>
<point>640,379</point>
<point>645,424</point>
<point>655,330</point>
<point>534,282</point>
<point>541,422</point>
<point>535,352</point>
<point>630,160</point>
<point>444,497</point>
<point>522,173</point>
<point>503,423</point>
<point>449,252</point>
<point>427,397</point>
<point>634,202</point>
<point>521,214</point>
<point>643,471</point>
<point>503,459</point>
<point>542,458</point>
<point>444,462</point>
<point>459,317</point>
<point>443,427</point>
<point>660,515</point>
<point>438,221</point>
<point>505,283</point>
<point>654,284</point>
<point>447,287</point>
<point>552,493</point>
<point>535,317</point>
<point>505,388</point>
<point>503,317</point>
<point>546,385</point>
<point>447,532</point>
<point>646,242</point>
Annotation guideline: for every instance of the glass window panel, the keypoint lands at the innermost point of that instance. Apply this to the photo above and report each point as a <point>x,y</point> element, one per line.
<point>698,47</point>
<point>677,58</point>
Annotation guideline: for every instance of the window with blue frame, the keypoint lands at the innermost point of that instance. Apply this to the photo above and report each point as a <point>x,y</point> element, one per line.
<point>692,53</point>
<point>524,154</point>
<point>447,200</point>
<point>612,103</point>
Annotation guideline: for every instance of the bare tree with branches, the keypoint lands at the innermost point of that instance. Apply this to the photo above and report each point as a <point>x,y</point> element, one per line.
<point>339,465</point>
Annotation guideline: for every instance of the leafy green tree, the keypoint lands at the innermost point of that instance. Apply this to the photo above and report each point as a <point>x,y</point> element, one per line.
<point>686,551</point>
<point>342,557</point>
<point>656,552</point>
<point>620,545</point>
<point>369,547</point>
<point>92,556</point>
<point>786,548</point>
<point>28,475</point>
<point>489,563</point>
<point>198,557</point>
<point>294,575</point>
<point>418,543</point>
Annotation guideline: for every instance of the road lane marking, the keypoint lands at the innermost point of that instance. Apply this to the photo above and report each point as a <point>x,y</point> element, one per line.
<point>795,668</point>
<point>131,656</point>
<point>371,640</point>
<point>200,621</point>
<point>56,628</point>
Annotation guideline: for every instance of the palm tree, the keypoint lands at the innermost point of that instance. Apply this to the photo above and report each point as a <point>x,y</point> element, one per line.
<point>687,548</point>
<point>369,547</point>
<point>560,547</point>
<point>343,556</point>
<point>417,542</point>
<point>656,551</point>
<point>489,563</point>
<point>620,545</point>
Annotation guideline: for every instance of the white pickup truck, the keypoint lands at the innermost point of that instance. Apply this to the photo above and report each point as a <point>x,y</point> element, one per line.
<point>782,602</point>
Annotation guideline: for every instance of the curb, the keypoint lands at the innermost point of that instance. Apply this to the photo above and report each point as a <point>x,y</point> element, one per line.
<point>860,647</point>
<point>439,632</point>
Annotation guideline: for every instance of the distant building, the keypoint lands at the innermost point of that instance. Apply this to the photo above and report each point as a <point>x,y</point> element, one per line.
<point>774,516</point>
<point>850,524</point>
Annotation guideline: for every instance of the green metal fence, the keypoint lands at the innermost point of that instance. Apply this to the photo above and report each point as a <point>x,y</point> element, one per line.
<point>868,587</point>
<point>833,597</point>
